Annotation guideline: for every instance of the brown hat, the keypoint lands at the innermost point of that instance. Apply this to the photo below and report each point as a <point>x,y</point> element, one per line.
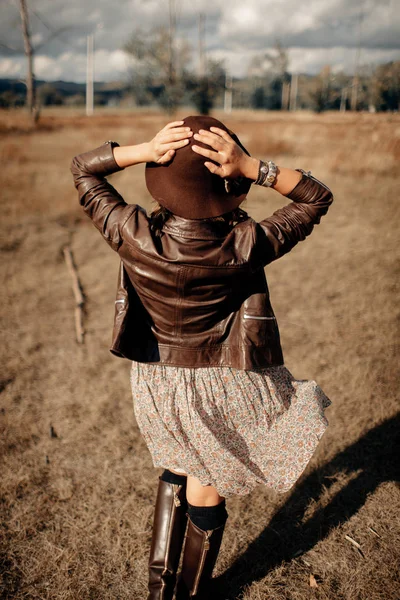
<point>187,188</point>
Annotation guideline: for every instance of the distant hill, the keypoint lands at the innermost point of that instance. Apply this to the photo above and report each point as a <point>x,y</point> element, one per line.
<point>13,85</point>
<point>65,87</point>
<point>13,92</point>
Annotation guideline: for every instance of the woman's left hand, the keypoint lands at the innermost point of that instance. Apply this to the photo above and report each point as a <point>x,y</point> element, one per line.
<point>171,137</point>
<point>232,161</point>
<point>160,149</point>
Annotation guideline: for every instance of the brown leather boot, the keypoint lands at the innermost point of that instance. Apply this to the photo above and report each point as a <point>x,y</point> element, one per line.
<point>199,558</point>
<point>168,534</point>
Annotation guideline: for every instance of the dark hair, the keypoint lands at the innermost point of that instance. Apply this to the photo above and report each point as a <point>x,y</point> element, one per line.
<point>160,216</point>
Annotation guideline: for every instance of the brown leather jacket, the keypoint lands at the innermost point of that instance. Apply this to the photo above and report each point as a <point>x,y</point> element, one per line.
<point>197,296</point>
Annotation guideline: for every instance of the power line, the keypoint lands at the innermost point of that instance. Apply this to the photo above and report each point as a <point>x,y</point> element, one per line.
<point>54,32</point>
<point>36,13</point>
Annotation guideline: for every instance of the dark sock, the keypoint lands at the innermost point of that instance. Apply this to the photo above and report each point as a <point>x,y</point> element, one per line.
<point>208,517</point>
<point>170,477</point>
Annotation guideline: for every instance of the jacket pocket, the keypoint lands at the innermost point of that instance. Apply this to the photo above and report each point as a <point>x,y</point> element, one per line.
<point>259,330</point>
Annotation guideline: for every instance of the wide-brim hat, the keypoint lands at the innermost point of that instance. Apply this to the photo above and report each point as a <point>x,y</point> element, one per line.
<point>187,188</point>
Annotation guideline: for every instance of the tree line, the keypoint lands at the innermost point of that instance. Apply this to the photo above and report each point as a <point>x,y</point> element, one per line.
<point>267,85</point>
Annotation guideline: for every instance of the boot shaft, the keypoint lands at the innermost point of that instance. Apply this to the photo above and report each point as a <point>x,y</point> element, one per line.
<point>199,557</point>
<point>167,540</point>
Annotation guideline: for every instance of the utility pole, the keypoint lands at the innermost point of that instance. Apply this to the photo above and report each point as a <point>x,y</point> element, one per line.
<point>293,91</point>
<point>172,33</point>
<point>343,100</point>
<point>285,95</point>
<point>354,87</point>
<point>354,93</point>
<point>202,57</point>
<point>90,76</point>
<point>30,78</point>
<point>228,93</point>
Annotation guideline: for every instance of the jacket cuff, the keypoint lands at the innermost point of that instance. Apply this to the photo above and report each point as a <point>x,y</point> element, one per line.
<point>307,189</point>
<point>99,161</point>
<point>107,160</point>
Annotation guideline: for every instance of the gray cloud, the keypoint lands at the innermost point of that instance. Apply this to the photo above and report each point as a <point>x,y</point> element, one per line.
<point>318,32</point>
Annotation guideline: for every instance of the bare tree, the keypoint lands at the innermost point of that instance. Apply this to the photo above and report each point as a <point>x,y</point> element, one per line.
<point>159,60</point>
<point>384,86</point>
<point>211,77</point>
<point>274,64</point>
<point>279,60</point>
<point>158,69</point>
<point>208,86</point>
<point>320,92</point>
<point>29,50</point>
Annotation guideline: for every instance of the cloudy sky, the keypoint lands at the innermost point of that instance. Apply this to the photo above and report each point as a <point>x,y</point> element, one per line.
<point>317,33</point>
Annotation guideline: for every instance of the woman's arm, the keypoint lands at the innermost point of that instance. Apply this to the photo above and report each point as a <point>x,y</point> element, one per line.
<point>100,200</point>
<point>292,223</point>
<point>280,232</point>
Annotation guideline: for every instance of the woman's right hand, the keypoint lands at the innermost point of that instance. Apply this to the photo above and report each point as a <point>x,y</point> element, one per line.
<point>233,162</point>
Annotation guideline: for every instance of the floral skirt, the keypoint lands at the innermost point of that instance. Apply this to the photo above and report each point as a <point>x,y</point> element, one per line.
<point>231,429</point>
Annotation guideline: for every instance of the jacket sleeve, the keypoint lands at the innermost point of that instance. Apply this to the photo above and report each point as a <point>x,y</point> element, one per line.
<point>280,232</point>
<point>100,200</point>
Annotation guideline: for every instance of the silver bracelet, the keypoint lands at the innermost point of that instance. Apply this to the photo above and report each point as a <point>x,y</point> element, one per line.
<point>267,173</point>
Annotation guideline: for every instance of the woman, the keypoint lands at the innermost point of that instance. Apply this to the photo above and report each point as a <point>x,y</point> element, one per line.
<point>215,404</point>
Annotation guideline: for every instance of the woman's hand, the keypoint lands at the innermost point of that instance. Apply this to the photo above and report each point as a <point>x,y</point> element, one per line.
<point>160,150</point>
<point>232,161</point>
<point>173,136</point>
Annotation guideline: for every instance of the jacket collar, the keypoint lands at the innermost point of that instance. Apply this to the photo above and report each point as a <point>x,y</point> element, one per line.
<point>204,229</point>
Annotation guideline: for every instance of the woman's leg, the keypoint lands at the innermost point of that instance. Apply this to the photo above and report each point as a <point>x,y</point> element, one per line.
<point>206,522</point>
<point>200,495</point>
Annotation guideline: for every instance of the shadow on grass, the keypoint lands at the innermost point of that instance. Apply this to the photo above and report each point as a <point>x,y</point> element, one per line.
<point>364,465</point>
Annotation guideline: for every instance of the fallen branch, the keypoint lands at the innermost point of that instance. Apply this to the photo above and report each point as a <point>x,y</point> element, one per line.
<point>355,544</point>
<point>76,286</point>
<point>374,532</point>
<point>79,299</point>
<point>79,324</point>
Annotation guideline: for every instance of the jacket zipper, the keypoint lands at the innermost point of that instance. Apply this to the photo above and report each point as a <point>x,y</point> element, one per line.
<point>259,318</point>
<point>177,489</point>
<point>205,549</point>
<point>308,174</point>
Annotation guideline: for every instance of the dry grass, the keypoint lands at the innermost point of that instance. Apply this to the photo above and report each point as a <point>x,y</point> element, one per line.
<point>77,508</point>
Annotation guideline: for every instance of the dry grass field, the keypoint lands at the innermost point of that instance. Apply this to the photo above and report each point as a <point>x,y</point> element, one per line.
<point>77,482</point>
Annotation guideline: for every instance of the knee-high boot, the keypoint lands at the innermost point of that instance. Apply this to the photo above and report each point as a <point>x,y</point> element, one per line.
<point>199,558</point>
<point>168,534</point>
